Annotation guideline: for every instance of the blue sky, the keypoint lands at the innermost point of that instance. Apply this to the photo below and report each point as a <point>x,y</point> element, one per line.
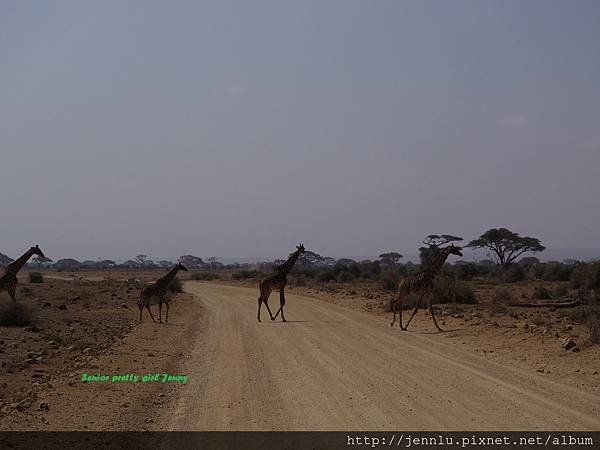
<point>242,128</point>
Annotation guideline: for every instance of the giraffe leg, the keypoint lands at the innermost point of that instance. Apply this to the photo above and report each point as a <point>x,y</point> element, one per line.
<point>150,311</point>
<point>141,306</point>
<point>264,298</point>
<point>433,315</point>
<point>160,302</point>
<point>417,306</point>
<point>399,307</point>
<point>281,303</point>
<point>393,311</point>
<point>167,318</point>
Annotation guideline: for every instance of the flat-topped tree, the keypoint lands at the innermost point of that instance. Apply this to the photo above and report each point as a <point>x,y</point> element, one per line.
<point>433,243</point>
<point>192,261</point>
<point>390,259</point>
<point>140,259</point>
<point>505,245</point>
<point>39,260</point>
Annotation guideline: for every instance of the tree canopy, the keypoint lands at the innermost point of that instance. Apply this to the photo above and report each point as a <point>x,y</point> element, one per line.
<point>390,259</point>
<point>505,245</point>
<point>433,243</point>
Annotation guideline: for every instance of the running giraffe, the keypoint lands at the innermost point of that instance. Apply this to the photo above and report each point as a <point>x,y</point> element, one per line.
<point>9,280</point>
<point>277,280</point>
<point>158,290</point>
<point>421,284</point>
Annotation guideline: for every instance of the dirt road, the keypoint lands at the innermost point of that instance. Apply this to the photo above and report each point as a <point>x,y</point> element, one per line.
<point>329,368</point>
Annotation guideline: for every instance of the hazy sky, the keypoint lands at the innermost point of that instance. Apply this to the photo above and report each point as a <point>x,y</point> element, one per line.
<point>242,128</point>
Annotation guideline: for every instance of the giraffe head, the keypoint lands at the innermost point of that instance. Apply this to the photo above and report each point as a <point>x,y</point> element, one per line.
<point>37,251</point>
<point>181,266</point>
<point>454,250</point>
<point>300,248</point>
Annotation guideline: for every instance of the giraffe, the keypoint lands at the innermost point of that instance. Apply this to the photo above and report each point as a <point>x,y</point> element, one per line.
<point>158,289</point>
<point>277,280</point>
<point>421,284</point>
<point>9,280</point>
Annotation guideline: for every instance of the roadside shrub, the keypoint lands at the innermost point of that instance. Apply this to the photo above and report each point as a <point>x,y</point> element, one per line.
<point>541,293</point>
<point>205,276</point>
<point>36,277</point>
<point>245,274</point>
<point>450,290</point>
<point>15,315</point>
<point>176,287</point>
<point>589,315</point>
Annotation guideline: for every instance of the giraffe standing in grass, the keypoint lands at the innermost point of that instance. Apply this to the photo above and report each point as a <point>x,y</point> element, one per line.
<point>158,290</point>
<point>277,280</point>
<point>421,284</point>
<point>9,280</point>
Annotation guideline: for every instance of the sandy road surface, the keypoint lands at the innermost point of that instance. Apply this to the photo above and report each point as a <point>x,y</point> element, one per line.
<point>329,368</point>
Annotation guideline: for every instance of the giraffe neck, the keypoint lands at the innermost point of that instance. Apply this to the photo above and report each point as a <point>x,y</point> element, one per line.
<point>287,266</point>
<point>164,281</point>
<point>433,269</point>
<point>18,264</point>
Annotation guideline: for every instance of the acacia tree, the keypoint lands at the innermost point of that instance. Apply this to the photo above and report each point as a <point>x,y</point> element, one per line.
<point>505,245</point>
<point>39,260</point>
<point>390,259</point>
<point>140,259</point>
<point>433,243</point>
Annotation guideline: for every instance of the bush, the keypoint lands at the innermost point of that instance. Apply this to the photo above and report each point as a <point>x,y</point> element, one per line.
<point>176,287</point>
<point>450,290</point>
<point>586,276</point>
<point>326,276</point>
<point>245,274</point>
<point>556,272</point>
<point>466,271</point>
<point>205,276</point>
<point>590,316</point>
<point>36,277</point>
<point>541,293</point>
<point>15,315</point>
<point>513,274</point>
<point>344,276</point>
